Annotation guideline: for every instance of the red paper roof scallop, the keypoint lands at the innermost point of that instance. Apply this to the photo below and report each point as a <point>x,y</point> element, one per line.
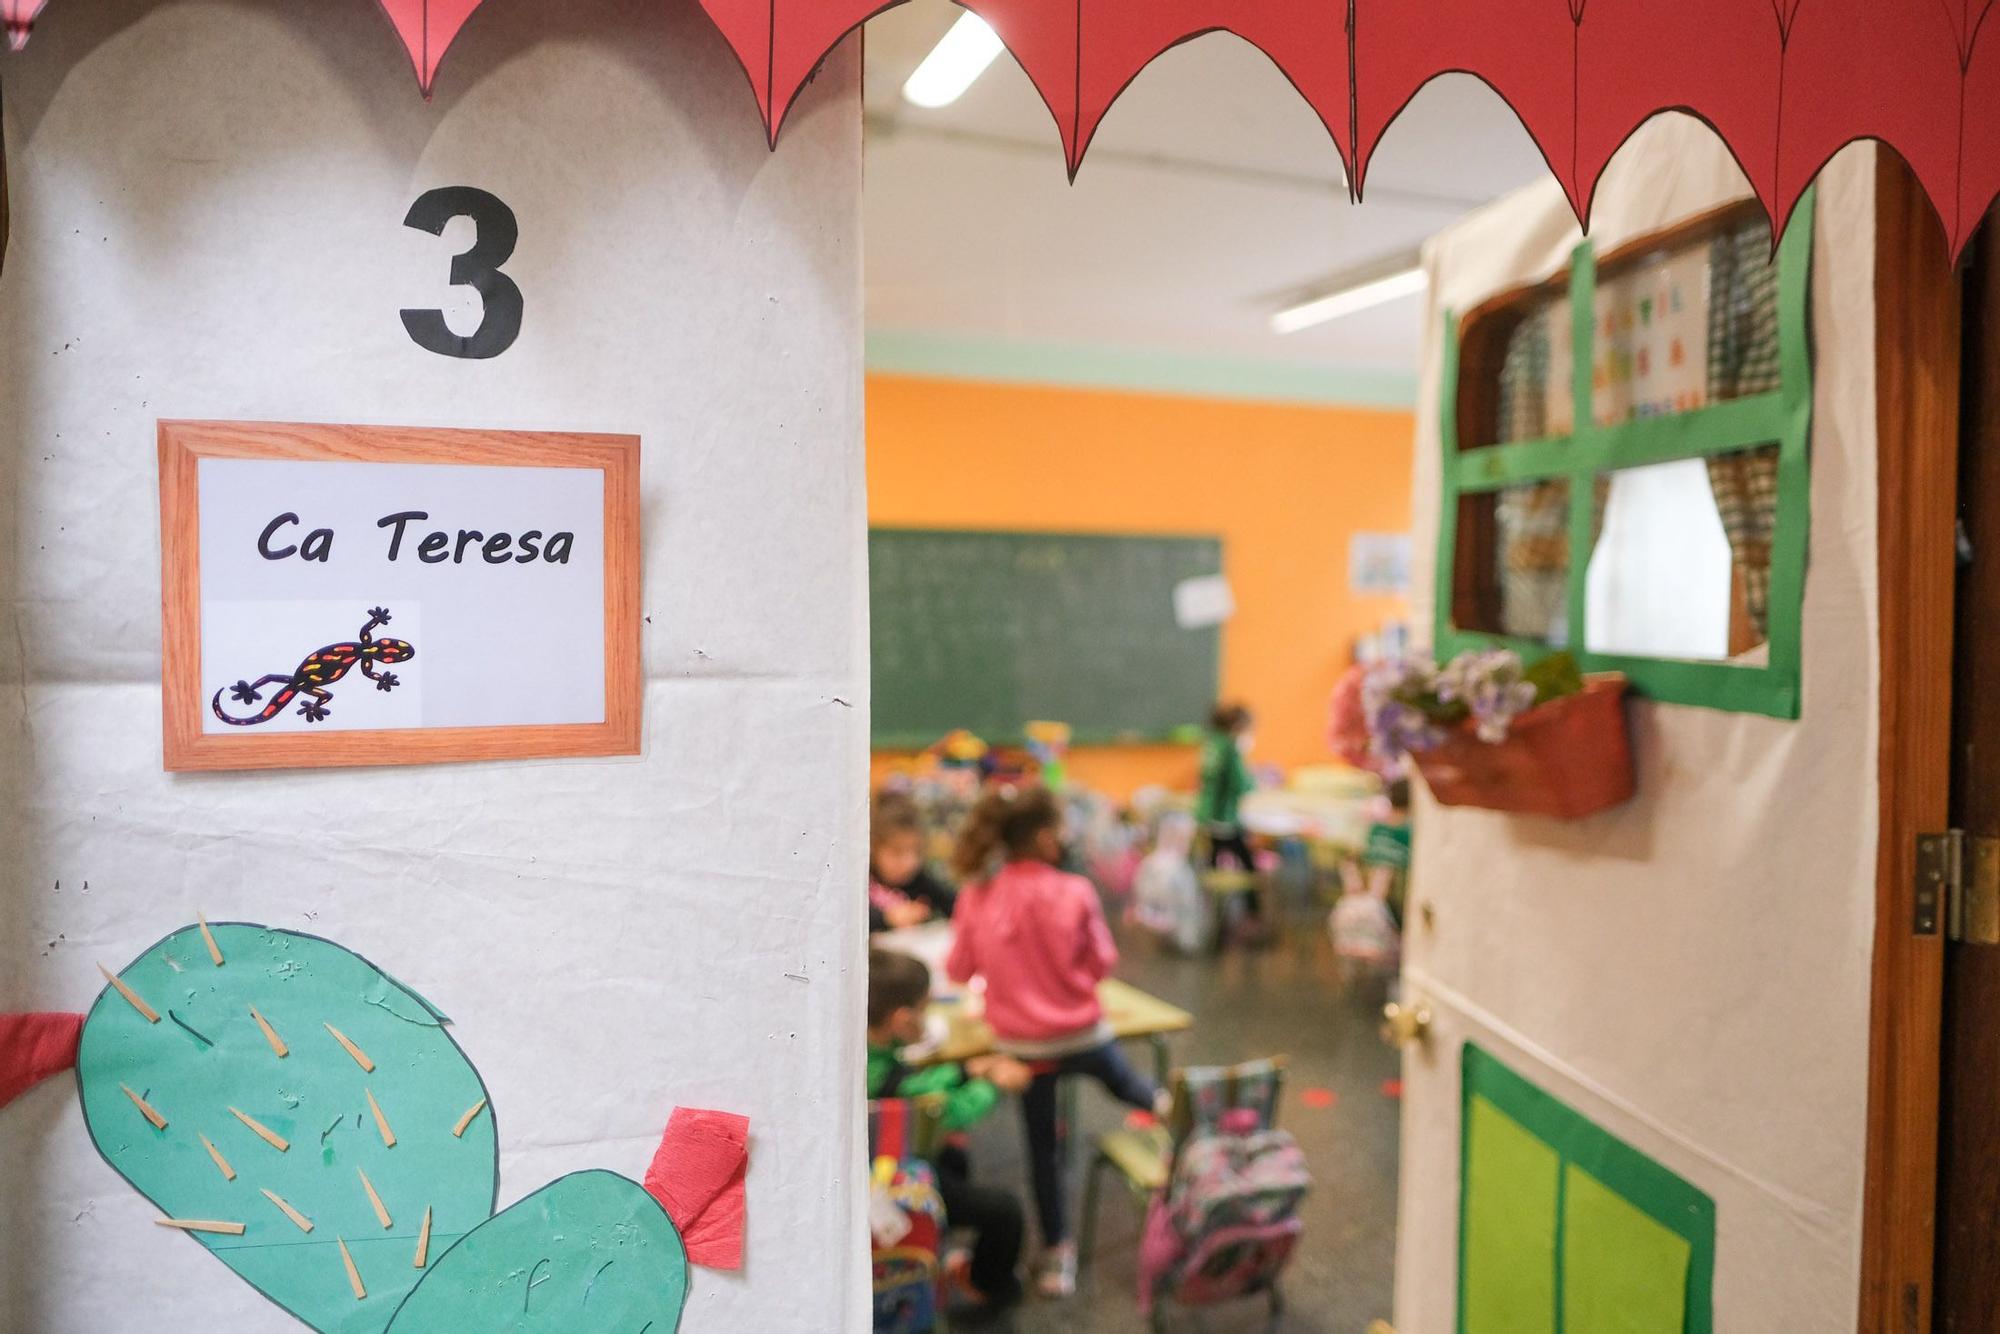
<point>1785,83</point>
<point>19,17</point>
<point>428,28</point>
<point>780,44</point>
<point>1082,54</point>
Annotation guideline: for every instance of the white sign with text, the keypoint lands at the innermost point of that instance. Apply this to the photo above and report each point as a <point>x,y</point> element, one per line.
<point>346,596</point>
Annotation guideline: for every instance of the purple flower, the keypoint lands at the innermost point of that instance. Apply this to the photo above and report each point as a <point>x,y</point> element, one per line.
<point>1395,698</point>
<point>1408,702</point>
<point>1489,684</point>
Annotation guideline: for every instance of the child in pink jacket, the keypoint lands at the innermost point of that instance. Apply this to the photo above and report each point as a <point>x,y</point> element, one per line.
<point>1038,937</point>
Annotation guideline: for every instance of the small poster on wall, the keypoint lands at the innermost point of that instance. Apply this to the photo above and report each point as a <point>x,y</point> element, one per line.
<point>1650,356</point>
<point>340,595</point>
<point>1379,564</point>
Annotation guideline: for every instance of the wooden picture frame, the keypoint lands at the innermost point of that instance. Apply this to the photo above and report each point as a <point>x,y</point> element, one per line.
<point>188,747</point>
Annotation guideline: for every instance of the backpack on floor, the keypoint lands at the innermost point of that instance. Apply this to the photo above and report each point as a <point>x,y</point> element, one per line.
<point>906,1226</point>
<point>1364,930</point>
<point>1227,1222</point>
<point>1166,895</point>
<point>904,1252</point>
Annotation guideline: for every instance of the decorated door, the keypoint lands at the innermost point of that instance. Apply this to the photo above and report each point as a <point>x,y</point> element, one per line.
<point>1642,1101</point>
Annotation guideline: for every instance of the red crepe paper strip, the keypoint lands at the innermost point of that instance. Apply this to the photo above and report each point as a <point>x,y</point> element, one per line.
<point>697,1176</point>
<point>19,17</point>
<point>33,1047</point>
<point>428,28</point>
<point>780,44</point>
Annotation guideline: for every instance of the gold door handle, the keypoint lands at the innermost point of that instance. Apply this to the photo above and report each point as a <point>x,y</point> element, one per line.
<point>1404,1025</point>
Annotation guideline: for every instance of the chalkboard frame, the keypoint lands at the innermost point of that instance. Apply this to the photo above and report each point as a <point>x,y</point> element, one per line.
<point>1083,731</point>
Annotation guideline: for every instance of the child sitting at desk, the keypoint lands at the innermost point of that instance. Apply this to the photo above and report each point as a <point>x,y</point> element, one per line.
<point>899,988</point>
<point>1037,935</point>
<point>901,892</point>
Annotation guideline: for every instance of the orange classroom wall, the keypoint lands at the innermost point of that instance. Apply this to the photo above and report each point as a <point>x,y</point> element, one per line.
<point>1284,486</point>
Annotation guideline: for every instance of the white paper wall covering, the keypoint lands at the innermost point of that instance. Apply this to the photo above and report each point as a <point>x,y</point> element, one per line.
<point>207,222</point>
<point>1690,971</point>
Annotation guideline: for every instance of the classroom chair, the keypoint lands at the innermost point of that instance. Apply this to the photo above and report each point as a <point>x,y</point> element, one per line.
<point>1329,857</point>
<point>905,1127</point>
<point>1224,886</point>
<point>1144,1159</point>
<point>1367,868</point>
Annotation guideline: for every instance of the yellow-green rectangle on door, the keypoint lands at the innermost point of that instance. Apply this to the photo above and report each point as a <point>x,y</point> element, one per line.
<point>1565,1228</point>
<point>1509,1241</point>
<point>1623,1273</point>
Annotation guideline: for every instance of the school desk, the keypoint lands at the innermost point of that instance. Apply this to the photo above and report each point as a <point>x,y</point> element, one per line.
<point>1132,1014</point>
<point>1334,817</point>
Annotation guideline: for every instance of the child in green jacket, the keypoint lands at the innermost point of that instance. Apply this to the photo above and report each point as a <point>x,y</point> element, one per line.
<point>1225,781</point>
<point>899,987</point>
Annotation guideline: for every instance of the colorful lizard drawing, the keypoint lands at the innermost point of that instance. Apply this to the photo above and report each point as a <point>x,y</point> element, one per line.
<point>320,670</point>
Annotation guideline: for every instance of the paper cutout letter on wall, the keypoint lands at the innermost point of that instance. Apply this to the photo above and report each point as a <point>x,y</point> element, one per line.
<point>295,1110</point>
<point>589,1252</point>
<point>33,1047</point>
<point>697,1175</point>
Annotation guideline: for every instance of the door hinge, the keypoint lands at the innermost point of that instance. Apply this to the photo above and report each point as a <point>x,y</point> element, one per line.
<point>1958,887</point>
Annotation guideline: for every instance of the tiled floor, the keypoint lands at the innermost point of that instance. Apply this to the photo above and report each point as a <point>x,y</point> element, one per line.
<point>1290,998</point>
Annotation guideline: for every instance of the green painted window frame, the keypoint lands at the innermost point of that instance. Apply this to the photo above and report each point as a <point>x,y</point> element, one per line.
<point>1783,416</point>
<point>1653,1190</point>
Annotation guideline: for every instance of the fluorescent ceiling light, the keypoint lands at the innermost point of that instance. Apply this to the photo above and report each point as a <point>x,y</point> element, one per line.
<point>954,63</point>
<point>1379,291</point>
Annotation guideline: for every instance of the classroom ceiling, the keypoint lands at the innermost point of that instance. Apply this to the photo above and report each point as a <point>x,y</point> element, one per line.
<point>1210,193</point>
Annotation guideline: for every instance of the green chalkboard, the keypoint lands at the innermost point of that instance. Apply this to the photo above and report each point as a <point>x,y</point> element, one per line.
<point>992,630</point>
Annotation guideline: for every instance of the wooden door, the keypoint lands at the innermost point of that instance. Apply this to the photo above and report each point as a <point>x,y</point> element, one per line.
<point>1968,1258</point>
<point>1918,349</point>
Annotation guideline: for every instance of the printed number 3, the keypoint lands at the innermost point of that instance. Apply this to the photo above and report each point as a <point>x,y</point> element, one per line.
<point>478,268</point>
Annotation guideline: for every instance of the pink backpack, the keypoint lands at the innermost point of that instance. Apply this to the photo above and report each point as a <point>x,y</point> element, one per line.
<point>1227,1222</point>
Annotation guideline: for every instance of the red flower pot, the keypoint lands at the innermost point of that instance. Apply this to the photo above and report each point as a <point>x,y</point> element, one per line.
<point>1568,758</point>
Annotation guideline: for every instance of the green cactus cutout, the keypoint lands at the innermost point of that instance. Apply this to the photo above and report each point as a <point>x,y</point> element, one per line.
<point>207,1054</point>
<point>590,1252</point>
